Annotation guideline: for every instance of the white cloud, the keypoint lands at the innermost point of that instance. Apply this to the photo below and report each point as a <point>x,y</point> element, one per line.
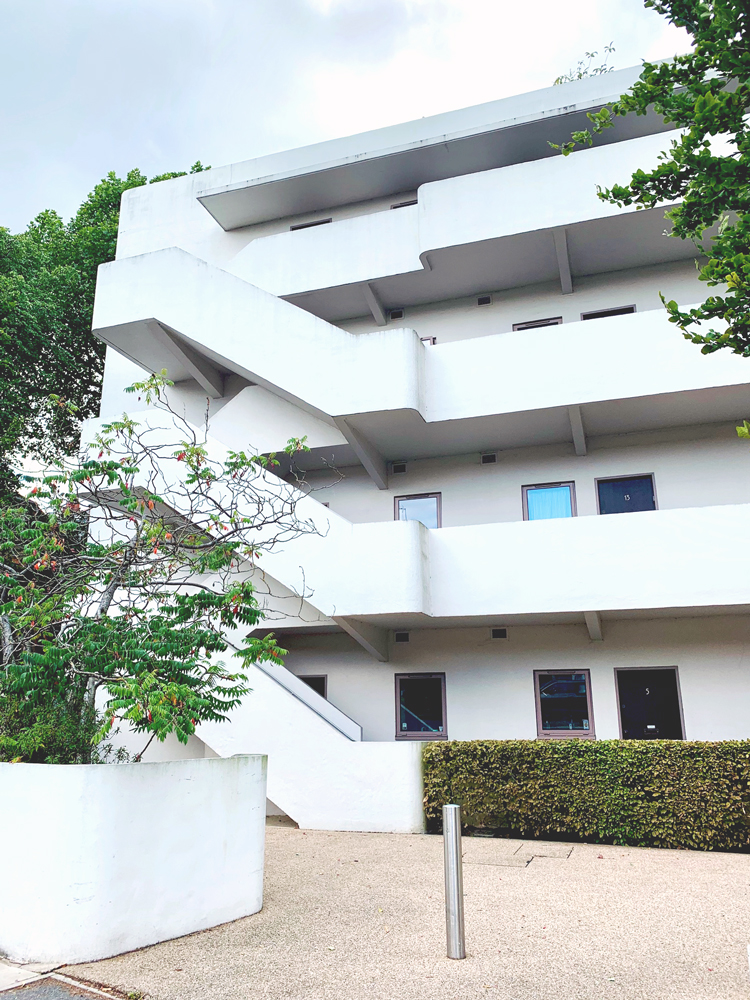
<point>89,86</point>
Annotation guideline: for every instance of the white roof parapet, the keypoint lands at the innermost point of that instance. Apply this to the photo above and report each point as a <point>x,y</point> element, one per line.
<point>400,157</point>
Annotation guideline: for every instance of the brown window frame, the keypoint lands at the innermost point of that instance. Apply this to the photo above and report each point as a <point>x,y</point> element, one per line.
<point>563,734</point>
<point>537,324</point>
<point>420,496</point>
<point>679,694</point>
<point>628,475</point>
<point>543,486</point>
<point>400,735</point>
<point>316,677</point>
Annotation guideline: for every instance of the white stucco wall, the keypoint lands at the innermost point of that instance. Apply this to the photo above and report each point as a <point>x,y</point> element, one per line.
<point>694,466</point>
<point>489,682</point>
<point>333,373</point>
<point>463,319</point>
<point>669,558</point>
<point>102,859</point>
<point>316,775</point>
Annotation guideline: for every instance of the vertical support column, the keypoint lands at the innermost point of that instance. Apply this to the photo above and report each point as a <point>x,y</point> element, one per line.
<point>454,882</point>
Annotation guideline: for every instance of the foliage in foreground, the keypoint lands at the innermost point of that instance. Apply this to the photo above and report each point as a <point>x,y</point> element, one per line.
<point>52,733</point>
<point>705,94</point>
<point>660,793</point>
<point>123,573</point>
<point>47,281</point>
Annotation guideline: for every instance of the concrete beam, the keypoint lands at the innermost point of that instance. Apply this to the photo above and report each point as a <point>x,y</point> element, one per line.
<point>594,625</point>
<point>374,304</point>
<point>205,374</point>
<point>576,427</point>
<point>367,453</point>
<point>563,260</point>
<point>370,637</point>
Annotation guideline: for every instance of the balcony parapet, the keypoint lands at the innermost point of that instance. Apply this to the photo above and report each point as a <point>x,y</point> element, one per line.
<point>333,375</point>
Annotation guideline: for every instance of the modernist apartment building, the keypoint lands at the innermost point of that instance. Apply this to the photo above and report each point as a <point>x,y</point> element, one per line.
<point>533,505</point>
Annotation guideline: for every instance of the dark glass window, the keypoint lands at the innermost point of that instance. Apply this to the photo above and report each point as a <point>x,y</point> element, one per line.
<point>318,682</point>
<point>649,704</point>
<point>563,703</point>
<point>619,496</point>
<point>420,706</point>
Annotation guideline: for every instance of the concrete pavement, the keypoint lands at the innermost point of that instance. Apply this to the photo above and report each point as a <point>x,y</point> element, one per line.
<point>350,916</point>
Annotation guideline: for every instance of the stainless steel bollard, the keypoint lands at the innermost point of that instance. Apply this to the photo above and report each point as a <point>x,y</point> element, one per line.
<point>454,882</point>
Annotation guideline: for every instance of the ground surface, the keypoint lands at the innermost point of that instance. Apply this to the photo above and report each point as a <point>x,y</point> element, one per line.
<point>47,989</point>
<point>348,916</point>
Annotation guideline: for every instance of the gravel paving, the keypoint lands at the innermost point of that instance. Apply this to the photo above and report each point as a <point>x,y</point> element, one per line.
<point>350,915</point>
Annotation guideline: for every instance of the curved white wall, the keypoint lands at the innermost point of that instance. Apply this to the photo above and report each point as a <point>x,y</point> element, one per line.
<point>102,859</point>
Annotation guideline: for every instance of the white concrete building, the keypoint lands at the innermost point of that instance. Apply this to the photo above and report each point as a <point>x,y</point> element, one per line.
<point>537,522</point>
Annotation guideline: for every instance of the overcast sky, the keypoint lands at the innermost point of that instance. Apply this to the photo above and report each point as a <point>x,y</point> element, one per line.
<point>88,86</point>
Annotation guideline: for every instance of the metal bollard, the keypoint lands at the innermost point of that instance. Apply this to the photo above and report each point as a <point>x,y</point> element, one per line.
<point>454,882</point>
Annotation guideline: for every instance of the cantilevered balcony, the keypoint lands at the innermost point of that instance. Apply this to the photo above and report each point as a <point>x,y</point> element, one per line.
<point>497,229</point>
<point>389,396</point>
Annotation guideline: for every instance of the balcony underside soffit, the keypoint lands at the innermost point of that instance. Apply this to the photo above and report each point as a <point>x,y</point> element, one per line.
<point>403,434</point>
<point>629,240</point>
<point>379,174</point>
<point>417,622</point>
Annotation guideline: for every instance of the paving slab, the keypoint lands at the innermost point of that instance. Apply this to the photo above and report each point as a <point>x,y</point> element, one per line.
<point>48,989</point>
<point>13,975</point>
<point>348,916</point>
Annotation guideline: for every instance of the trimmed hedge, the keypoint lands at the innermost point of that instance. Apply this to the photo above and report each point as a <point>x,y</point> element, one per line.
<point>660,793</point>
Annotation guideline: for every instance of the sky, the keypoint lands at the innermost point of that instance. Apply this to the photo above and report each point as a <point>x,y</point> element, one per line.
<point>89,86</point>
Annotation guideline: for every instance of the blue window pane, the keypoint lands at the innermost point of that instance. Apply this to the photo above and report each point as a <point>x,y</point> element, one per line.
<point>618,496</point>
<point>548,501</point>
<point>424,509</point>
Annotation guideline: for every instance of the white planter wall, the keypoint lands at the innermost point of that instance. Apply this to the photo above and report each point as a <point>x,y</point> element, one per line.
<point>102,859</point>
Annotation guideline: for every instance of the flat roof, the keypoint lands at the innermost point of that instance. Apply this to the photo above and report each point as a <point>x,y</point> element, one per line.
<point>400,157</point>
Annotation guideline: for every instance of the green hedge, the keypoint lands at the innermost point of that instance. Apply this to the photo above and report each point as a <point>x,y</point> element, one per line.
<point>661,793</point>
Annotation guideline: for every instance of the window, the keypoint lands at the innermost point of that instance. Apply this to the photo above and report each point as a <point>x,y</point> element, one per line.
<point>396,314</point>
<point>563,703</point>
<point>428,340</point>
<point>649,703</point>
<point>309,225</point>
<point>536,323</point>
<point>548,500</point>
<point>420,707</point>
<point>405,204</point>
<point>318,682</point>
<point>603,313</point>
<point>424,507</point>
<point>619,496</point>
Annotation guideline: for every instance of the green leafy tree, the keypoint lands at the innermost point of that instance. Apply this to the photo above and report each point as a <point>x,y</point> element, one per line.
<point>585,67</point>
<point>706,95</point>
<point>47,282</point>
<point>124,571</point>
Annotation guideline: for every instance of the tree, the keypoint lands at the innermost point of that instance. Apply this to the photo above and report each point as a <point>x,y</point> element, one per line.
<point>706,95</point>
<point>585,68</point>
<point>123,571</point>
<point>47,282</point>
